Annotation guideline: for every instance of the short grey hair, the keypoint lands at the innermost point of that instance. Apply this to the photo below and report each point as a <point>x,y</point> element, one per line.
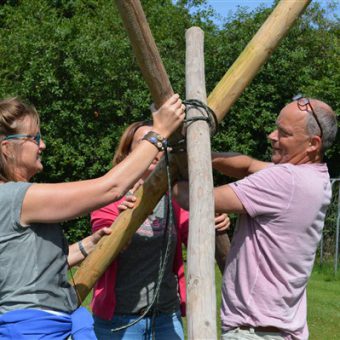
<point>328,122</point>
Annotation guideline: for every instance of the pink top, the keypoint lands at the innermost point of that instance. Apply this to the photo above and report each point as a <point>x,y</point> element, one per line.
<point>104,300</point>
<point>273,250</point>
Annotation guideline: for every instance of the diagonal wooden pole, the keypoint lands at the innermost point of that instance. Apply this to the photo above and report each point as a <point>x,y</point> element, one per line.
<point>145,50</point>
<point>220,100</point>
<point>201,293</point>
<point>255,54</point>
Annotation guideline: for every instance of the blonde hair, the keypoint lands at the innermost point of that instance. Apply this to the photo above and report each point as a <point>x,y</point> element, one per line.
<point>12,113</point>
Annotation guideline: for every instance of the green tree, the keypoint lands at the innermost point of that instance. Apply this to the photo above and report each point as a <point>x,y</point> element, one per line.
<point>72,59</point>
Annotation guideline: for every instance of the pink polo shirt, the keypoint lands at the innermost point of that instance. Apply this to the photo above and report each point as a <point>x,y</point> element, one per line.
<point>273,249</point>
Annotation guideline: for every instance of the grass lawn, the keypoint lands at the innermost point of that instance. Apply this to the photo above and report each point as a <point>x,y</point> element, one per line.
<point>323,295</point>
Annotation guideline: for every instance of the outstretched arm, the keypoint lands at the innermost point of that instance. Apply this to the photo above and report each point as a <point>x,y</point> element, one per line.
<point>53,203</point>
<point>226,201</point>
<point>77,255</point>
<point>236,165</point>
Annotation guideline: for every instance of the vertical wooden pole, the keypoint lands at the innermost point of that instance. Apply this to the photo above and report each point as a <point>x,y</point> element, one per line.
<point>201,302</point>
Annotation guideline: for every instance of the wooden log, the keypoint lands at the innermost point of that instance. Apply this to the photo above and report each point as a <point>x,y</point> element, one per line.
<point>222,247</point>
<point>219,101</point>
<point>145,49</point>
<point>201,293</point>
<point>256,53</point>
<point>154,73</point>
<point>107,249</point>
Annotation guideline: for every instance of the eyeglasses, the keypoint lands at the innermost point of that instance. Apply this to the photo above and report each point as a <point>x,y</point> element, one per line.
<point>36,138</point>
<point>304,104</point>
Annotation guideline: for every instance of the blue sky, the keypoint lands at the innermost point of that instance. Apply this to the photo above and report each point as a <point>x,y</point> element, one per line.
<point>224,7</point>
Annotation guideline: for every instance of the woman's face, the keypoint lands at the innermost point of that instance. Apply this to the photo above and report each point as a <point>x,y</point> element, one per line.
<point>24,153</point>
<point>137,138</point>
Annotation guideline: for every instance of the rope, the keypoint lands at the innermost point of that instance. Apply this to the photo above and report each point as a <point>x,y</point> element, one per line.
<point>208,114</point>
<point>167,240</point>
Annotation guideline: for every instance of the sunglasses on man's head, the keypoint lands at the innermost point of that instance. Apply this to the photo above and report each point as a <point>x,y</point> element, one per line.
<point>36,138</point>
<point>304,104</point>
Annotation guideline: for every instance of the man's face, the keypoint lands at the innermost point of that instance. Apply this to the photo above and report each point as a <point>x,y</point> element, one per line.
<point>290,140</point>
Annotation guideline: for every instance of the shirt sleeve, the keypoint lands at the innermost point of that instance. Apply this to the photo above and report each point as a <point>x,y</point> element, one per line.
<point>105,216</point>
<point>182,221</point>
<point>19,192</point>
<point>267,192</point>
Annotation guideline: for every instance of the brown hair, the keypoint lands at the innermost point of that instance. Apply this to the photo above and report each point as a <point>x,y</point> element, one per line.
<point>125,142</point>
<point>12,113</point>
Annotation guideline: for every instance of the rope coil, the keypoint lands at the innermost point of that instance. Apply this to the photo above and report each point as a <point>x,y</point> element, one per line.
<point>208,114</point>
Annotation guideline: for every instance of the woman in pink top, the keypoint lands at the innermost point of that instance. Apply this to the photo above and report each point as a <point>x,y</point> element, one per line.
<point>127,288</point>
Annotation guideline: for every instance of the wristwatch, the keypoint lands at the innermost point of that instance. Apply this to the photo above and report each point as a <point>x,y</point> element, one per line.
<point>157,140</point>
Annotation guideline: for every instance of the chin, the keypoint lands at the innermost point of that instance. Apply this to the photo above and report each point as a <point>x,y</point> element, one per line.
<point>276,159</point>
<point>40,168</point>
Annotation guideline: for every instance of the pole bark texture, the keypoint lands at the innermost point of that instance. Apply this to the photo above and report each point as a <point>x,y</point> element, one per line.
<point>145,49</point>
<point>201,301</point>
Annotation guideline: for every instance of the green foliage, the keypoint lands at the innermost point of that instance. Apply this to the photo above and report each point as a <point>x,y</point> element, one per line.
<point>307,61</point>
<point>74,62</point>
<point>323,304</point>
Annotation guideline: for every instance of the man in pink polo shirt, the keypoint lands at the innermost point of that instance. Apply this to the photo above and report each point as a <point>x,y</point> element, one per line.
<point>282,207</point>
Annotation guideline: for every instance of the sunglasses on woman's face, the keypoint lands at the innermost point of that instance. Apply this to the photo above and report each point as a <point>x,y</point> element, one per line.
<point>36,138</point>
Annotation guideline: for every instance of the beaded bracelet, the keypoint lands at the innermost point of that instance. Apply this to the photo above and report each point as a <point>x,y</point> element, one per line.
<point>157,140</point>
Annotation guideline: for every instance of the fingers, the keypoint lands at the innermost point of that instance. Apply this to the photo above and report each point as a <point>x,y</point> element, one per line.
<point>136,186</point>
<point>169,116</point>
<point>99,234</point>
<point>129,203</point>
<point>222,222</point>
<point>105,231</point>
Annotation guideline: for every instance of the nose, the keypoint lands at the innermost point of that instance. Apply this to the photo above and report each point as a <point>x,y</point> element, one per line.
<point>273,136</point>
<point>42,145</point>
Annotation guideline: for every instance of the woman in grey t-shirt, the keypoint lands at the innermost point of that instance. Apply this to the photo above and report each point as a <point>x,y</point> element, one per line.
<point>34,293</point>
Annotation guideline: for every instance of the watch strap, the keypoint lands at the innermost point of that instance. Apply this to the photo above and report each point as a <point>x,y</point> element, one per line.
<point>156,139</point>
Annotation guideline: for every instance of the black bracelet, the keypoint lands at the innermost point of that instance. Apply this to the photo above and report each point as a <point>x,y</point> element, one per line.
<point>82,249</point>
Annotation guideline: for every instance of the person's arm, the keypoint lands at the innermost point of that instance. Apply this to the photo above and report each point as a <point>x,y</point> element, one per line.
<point>236,165</point>
<point>78,251</point>
<point>50,203</point>
<point>226,201</point>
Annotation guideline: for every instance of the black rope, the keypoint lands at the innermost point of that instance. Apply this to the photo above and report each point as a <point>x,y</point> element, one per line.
<point>208,114</point>
<point>167,240</point>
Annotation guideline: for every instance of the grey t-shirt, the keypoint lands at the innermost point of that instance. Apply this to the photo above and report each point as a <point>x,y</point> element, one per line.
<point>138,268</point>
<point>33,260</point>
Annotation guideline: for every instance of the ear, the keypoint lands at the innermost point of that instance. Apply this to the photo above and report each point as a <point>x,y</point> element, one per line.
<point>315,144</point>
<point>7,149</point>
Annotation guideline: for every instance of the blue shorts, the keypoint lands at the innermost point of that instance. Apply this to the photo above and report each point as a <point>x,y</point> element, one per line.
<point>167,326</point>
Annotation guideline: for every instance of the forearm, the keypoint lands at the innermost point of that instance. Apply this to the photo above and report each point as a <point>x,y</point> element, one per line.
<point>236,165</point>
<point>75,255</point>
<point>69,200</point>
